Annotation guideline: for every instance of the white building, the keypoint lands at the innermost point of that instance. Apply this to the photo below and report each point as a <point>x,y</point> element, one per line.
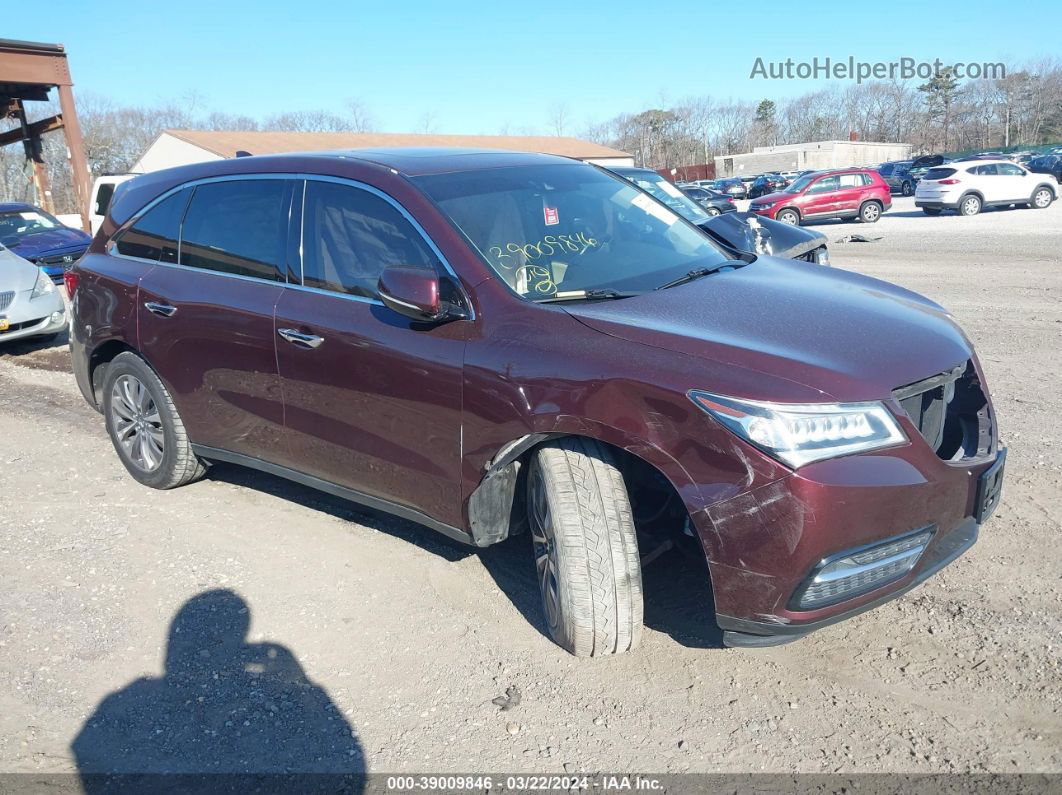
<point>181,147</point>
<point>816,155</point>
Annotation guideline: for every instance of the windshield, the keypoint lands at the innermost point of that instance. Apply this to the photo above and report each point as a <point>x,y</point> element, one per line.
<point>564,228</point>
<point>801,183</point>
<point>660,188</point>
<point>19,223</point>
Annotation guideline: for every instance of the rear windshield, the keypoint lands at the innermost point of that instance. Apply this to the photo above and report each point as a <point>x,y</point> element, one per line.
<point>939,173</point>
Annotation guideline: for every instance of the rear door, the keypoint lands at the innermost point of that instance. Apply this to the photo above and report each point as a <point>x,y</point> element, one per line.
<point>372,399</point>
<point>850,192</point>
<point>989,182</point>
<point>206,318</point>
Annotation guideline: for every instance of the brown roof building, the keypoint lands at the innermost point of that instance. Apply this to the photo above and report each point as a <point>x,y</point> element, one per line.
<point>180,147</point>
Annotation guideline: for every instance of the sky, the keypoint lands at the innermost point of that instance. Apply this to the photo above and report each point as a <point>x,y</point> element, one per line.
<point>475,67</point>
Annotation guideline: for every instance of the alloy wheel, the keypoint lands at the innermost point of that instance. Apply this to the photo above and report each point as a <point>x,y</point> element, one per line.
<point>545,545</point>
<point>1042,198</point>
<point>137,423</point>
<point>871,213</point>
<point>971,206</point>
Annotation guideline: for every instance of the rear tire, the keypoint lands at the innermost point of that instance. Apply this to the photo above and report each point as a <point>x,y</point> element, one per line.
<point>870,212</point>
<point>970,205</point>
<point>144,426</point>
<point>586,549</point>
<point>907,189</point>
<point>712,211</point>
<point>791,217</point>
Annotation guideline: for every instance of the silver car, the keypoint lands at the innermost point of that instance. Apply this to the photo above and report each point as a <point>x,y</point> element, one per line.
<point>30,304</point>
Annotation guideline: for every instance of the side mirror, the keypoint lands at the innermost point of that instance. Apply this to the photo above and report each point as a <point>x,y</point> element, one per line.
<point>415,293</point>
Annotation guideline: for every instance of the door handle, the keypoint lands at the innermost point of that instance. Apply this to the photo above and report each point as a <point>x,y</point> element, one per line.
<point>163,310</point>
<point>296,337</point>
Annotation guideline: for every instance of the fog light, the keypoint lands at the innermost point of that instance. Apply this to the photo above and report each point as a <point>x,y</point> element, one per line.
<point>861,570</point>
<point>56,317</point>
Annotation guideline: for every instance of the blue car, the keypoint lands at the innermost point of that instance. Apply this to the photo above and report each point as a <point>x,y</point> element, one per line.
<point>39,237</point>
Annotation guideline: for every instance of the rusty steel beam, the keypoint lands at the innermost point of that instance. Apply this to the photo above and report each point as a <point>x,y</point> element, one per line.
<point>27,66</point>
<point>36,129</point>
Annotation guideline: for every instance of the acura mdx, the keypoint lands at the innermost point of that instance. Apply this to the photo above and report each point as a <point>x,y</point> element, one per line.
<point>496,344</point>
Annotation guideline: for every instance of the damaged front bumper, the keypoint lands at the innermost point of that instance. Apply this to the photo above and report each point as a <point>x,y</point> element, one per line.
<point>746,633</point>
<point>766,546</point>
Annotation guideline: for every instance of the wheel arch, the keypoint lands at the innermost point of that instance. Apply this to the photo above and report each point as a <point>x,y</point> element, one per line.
<point>495,507</point>
<point>101,356</point>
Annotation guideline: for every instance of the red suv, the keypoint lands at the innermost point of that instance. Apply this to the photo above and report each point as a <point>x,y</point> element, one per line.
<point>850,193</point>
<point>497,343</point>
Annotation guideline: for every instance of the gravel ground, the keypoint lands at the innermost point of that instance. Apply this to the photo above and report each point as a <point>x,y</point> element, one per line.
<point>374,644</point>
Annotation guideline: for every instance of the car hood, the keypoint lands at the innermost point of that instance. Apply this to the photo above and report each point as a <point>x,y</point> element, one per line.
<point>16,273</point>
<point>50,241</point>
<point>771,198</point>
<point>842,335</point>
<point>749,232</point>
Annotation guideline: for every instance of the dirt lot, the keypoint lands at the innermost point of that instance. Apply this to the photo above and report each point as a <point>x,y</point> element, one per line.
<point>411,637</point>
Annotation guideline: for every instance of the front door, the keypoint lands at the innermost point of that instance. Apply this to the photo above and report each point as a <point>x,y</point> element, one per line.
<point>206,318</point>
<point>820,198</point>
<point>372,399</point>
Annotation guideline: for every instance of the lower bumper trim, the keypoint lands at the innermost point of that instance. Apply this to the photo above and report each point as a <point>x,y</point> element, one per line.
<point>946,550</point>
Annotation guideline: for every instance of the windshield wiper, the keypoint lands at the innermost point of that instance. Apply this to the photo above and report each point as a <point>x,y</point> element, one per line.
<point>727,265</point>
<point>584,295</point>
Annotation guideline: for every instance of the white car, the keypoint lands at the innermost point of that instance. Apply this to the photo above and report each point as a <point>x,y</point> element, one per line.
<point>971,185</point>
<point>30,304</point>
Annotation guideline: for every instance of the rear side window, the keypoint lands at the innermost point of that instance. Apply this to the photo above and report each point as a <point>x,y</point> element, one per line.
<point>984,171</point>
<point>350,235</point>
<point>155,234</point>
<point>238,227</point>
<point>939,173</point>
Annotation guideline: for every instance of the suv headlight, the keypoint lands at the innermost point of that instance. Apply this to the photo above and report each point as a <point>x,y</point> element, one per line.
<point>43,285</point>
<point>799,433</point>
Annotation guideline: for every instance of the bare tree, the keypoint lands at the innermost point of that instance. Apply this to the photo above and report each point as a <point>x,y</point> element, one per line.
<point>361,119</point>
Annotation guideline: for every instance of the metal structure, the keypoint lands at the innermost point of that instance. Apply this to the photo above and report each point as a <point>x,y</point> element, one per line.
<point>28,71</point>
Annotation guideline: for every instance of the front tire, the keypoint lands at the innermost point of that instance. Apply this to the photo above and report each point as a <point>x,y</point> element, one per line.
<point>712,211</point>
<point>791,217</point>
<point>144,426</point>
<point>586,548</point>
<point>1042,198</point>
<point>971,205</point>
<point>907,189</point>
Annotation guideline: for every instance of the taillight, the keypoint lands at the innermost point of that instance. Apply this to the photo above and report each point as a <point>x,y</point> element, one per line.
<point>70,278</point>
<point>949,182</point>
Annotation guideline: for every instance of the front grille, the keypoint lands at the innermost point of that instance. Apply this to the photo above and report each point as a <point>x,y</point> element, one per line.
<point>950,411</point>
<point>6,298</point>
<point>68,258</point>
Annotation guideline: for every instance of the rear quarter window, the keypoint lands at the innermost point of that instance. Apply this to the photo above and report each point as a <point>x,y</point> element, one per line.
<point>154,235</point>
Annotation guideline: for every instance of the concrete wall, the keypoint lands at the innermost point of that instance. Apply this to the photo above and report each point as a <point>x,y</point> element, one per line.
<point>168,152</point>
<point>815,155</point>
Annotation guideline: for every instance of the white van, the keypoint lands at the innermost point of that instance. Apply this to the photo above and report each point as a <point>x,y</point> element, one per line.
<point>100,200</point>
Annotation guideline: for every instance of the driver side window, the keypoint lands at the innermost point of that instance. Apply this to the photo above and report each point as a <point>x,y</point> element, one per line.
<point>351,235</point>
<point>824,185</point>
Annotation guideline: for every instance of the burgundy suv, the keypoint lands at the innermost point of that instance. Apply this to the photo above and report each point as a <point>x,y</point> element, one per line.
<point>499,343</point>
<point>850,193</point>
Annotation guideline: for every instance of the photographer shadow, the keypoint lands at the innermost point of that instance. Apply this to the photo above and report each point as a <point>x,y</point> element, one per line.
<point>226,715</point>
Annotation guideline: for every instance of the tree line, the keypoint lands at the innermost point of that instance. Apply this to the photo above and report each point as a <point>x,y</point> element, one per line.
<point>943,114</point>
